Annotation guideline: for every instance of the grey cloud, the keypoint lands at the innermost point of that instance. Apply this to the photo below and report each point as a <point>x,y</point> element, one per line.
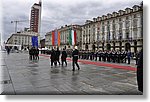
<point>56,14</point>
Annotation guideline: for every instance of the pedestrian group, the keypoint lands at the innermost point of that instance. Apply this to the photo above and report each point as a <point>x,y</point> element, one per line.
<point>34,53</point>
<point>114,56</point>
<point>55,55</point>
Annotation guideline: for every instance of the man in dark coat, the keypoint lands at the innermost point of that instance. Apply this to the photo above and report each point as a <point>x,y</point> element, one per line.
<point>96,54</point>
<point>57,56</point>
<point>8,50</point>
<point>53,57</point>
<point>63,57</point>
<point>37,54</point>
<point>100,55</point>
<point>75,54</point>
<point>140,71</point>
<point>34,53</point>
<point>136,57</point>
<point>92,55</point>
<point>113,56</point>
<point>30,54</point>
<point>108,56</point>
<point>129,56</point>
<point>105,56</point>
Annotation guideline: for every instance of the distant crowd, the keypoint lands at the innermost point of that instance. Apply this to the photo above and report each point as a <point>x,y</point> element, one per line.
<point>114,56</point>
<point>34,53</point>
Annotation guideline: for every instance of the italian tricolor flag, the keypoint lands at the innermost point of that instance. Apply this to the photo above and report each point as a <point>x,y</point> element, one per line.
<point>72,37</point>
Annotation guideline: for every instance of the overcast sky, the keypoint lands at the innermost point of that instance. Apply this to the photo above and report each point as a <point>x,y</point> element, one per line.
<point>56,13</point>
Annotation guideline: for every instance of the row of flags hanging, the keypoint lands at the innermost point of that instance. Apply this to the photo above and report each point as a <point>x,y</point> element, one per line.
<point>71,39</point>
<point>56,38</point>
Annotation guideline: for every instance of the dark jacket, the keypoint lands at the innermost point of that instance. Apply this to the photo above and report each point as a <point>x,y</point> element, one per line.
<point>128,54</point>
<point>140,71</point>
<point>53,55</point>
<point>57,54</point>
<point>75,54</point>
<point>37,52</point>
<point>64,55</point>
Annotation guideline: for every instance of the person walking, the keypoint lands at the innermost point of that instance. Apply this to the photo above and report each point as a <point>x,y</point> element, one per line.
<point>53,57</point>
<point>34,53</point>
<point>128,56</point>
<point>8,50</point>
<point>64,56</point>
<point>30,54</point>
<point>37,54</point>
<point>100,55</point>
<point>75,54</point>
<point>57,56</point>
<point>140,71</point>
<point>108,56</point>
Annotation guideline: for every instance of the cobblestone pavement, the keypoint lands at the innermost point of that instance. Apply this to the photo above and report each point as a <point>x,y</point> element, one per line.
<point>22,76</point>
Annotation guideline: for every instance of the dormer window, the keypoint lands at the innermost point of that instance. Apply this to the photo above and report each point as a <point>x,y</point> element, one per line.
<point>108,15</point>
<point>121,12</point>
<point>135,8</point>
<point>94,19</point>
<point>99,18</point>
<point>127,10</point>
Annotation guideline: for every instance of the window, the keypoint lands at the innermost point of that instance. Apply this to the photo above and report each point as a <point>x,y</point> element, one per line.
<point>107,22</point>
<point>114,36</point>
<point>108,27</point>
<point>134,15</point>
<point>135,23</point>
<point>103,29</point>
<point>113,21</point>
<point>114,27</point>
<point>127,24</point>
<point>127,35</point>
<point>120,25</point>
<point>120,19</point>
<point>135,34</point>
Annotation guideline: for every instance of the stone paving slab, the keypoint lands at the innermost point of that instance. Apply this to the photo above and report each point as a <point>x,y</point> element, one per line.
<point>37,77</point>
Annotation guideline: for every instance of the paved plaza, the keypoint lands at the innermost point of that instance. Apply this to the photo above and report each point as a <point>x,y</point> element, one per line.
<point>22,76</point>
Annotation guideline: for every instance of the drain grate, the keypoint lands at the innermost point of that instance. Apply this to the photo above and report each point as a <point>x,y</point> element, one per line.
<point>6,82</point>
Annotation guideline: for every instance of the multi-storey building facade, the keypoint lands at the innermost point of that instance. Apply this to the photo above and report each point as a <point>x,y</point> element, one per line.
<point>22,38</point>
<point>48,40</point>
<point>64,36</point>
<point>35,21</point>
<point>122,30</point>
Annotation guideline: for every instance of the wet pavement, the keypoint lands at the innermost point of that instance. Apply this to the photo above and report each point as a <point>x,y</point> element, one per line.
<point>22,76</point>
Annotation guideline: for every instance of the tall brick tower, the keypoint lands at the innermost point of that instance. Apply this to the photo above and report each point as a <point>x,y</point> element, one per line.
<point>35,20</point>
